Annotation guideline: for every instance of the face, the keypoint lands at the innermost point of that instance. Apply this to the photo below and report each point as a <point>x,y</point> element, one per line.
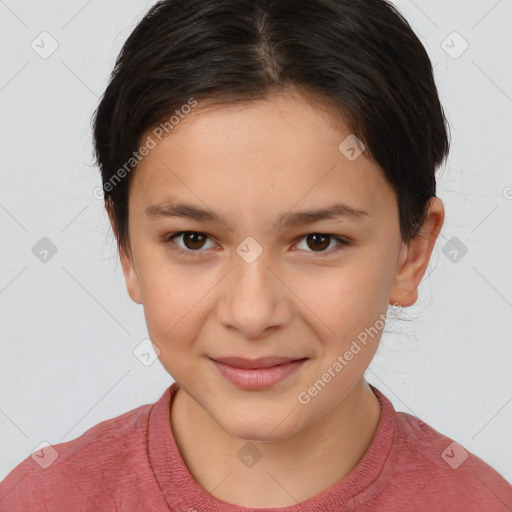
<point>252,278</point>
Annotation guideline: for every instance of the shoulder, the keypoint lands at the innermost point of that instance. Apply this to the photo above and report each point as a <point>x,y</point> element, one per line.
<point>450,473</point>
<point>84,470</point>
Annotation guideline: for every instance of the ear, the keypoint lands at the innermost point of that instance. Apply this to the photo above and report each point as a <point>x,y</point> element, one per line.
<point>130,274</point>
<point>414,258</point>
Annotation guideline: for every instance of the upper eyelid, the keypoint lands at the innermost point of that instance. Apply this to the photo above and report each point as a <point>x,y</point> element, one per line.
<point>169,238</point>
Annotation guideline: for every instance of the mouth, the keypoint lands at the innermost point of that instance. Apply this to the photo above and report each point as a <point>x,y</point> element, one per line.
<point>255,374</point>
<point>253,364</point>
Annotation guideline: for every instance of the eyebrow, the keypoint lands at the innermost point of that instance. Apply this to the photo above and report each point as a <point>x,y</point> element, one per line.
<point>171,208</point>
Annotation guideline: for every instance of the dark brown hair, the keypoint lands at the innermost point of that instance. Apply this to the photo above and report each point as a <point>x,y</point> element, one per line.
<point>360,56</point>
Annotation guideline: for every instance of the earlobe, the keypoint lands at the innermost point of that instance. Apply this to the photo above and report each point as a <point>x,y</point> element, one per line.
<point>414,257</point>
<point>130,276</point>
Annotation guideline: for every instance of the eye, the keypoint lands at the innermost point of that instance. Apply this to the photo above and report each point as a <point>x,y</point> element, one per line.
<point>319,242</point>
<point>194,241</point>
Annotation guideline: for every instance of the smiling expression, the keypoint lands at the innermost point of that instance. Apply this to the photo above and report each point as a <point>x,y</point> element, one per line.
<point>252,235</point>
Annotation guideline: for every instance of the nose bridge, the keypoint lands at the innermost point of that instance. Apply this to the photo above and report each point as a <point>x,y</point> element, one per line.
<point>253,297</point>
<point>252,278</point>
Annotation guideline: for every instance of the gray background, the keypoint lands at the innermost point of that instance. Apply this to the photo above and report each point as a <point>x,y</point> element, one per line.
<point>69,329</point>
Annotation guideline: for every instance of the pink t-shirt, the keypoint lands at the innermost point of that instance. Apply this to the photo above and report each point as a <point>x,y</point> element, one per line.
<point>131,463</point>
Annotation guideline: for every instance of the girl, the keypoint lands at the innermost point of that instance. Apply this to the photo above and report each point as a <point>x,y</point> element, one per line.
<point>268,168</point>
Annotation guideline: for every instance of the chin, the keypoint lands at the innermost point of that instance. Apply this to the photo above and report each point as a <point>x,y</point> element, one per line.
<point>259,428</point>
<point>257,433</point>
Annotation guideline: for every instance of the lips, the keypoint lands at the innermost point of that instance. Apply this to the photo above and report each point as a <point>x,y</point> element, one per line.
<point>258,374</point>
<point>251,364</point>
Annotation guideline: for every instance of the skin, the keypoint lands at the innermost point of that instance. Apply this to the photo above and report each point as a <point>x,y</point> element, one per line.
<point>250,164</point>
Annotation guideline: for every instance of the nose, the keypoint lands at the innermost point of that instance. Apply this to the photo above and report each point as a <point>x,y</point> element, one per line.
<point>254,300</point>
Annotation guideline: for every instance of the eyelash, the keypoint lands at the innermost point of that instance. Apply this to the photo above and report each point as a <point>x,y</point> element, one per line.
<point>173,247</point>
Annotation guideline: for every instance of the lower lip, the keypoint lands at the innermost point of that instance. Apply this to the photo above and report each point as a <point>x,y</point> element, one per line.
<point>258,378</point>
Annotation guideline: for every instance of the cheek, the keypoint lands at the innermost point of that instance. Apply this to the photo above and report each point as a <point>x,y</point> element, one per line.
<point>171,307</point>
<point>351,302</point>
<point>171,311</point>
<point>171,295</point>
<point>351,294</point>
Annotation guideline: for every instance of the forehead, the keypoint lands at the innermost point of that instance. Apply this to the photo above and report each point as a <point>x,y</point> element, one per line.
<point>278,151</point>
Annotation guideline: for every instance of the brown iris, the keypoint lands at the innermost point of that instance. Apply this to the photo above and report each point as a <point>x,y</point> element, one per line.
<point>316,238</point>
<point>194,240</point>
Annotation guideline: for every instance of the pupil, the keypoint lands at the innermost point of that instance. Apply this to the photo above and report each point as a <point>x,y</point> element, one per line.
<point>190,242</point>
<point>315,237</point>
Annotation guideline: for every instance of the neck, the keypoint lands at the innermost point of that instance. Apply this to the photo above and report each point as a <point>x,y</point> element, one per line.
<point>291,470</point>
